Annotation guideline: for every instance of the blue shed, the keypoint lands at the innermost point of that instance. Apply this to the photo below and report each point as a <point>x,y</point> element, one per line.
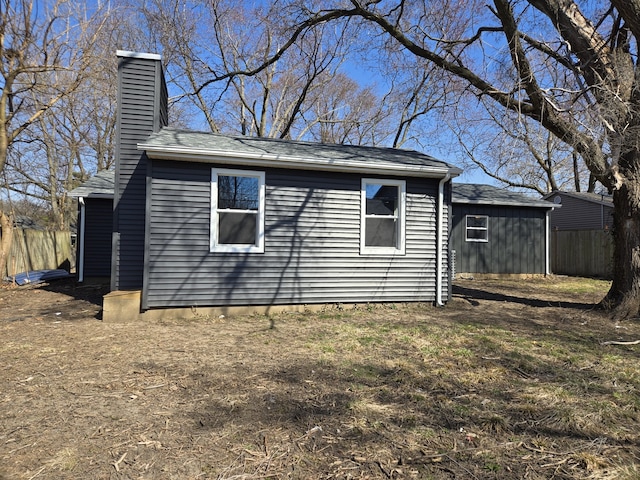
<point>496,231</point>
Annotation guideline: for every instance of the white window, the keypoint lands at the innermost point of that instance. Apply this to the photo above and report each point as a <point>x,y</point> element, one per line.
<point>382,217</point>
<point>477,228</point>
<point>237,211</point>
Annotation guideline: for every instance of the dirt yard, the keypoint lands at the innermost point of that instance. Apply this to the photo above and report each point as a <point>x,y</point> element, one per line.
<point>510,381</point>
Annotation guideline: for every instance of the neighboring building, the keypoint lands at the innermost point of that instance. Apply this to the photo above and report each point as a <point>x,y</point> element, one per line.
<point>495,231</point>
<point>582,242</point>
<point>581,211</point>
<point>204,220</point>
<point>27,223</point>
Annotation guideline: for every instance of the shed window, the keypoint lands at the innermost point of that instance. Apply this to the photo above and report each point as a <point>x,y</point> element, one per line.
<point>382,217</point>
<point>237,211</point>
<point>477,228</point>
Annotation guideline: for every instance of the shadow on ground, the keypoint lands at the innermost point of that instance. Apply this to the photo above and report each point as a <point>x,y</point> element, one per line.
<point>474,295</point>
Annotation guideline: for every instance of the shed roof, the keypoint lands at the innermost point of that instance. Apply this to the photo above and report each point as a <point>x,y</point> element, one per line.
<point>473,193</point>
<point>100,185</point>
<point>188,145</point>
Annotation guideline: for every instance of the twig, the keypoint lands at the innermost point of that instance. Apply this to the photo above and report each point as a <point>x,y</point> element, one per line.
<point>154,386</point>
<point>555,464</point>
<point>387,474</point>
<point>613,342</point>
<point>22,447</point>
<point>38,473</point>
<point>117,464</point>
<point>540,450</point>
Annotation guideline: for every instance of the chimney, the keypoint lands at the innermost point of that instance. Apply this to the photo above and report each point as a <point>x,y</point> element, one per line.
<point>142,110</point>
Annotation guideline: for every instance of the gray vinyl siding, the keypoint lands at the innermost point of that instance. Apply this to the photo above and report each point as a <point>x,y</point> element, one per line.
<point>142,110</point>
<point>312,244</point>
<point>517,240</point>
<point>578,214</point>
<point>97,237</point>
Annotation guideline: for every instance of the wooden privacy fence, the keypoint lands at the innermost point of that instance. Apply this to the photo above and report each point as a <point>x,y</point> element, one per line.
<point>39,250</point>
<point>585,253</point>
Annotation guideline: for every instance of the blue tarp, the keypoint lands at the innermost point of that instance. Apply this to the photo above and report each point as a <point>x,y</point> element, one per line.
<point>37,276</point>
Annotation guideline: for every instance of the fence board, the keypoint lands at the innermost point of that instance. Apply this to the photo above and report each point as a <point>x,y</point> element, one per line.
<point>586,253</point>
<point>39,250</point>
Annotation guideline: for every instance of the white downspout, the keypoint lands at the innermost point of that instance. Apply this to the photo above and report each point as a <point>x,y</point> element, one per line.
<point>439,239</point>
<point>80,238</point>
<point>547,231</point>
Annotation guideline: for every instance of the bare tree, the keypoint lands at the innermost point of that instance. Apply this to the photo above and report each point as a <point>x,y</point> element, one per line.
<point>515,150</point>
<point>43,57</point>
<point>597,44</point>
<point>346,113</point>
<point>200,42</point>
<point>75,137</point>
<point>305,94</point>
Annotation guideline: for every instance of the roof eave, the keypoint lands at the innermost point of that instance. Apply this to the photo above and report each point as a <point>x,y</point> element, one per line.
<point>551,206</point>
<point>297,163</point>
<point>108,195</point>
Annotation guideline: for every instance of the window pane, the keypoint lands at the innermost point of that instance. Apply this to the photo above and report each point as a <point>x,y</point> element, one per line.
<point>381,232</point>
<point>237,228</point>
<point>381,199</point>
<point>239,193</point>
<point>477,222</point>
<point>476,234</point>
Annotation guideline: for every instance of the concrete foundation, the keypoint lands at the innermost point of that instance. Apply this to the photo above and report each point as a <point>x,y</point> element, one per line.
<point>121,306</point>
<point>124,306</point>
<point>499,276</point>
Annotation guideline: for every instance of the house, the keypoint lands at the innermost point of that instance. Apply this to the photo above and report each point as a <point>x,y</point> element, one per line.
<point>495,231</point>
<point>581,211</point>
<point>207,223</point>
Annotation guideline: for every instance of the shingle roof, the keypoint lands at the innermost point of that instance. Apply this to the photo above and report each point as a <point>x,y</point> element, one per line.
<point>187,145</point>
<point>472,193</point>
<point>100,185</point>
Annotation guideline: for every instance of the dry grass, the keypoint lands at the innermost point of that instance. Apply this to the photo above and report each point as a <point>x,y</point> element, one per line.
<point>510,380</point>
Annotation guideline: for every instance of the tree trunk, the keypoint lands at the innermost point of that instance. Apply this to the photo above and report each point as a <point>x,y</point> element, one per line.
<point>576,171</point>
<point>6,225</point>
<point>624,296</point>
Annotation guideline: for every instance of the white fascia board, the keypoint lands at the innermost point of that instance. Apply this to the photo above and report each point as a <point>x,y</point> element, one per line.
<point>282,161</point>
<point>93,195</point>
<point>146,56</point>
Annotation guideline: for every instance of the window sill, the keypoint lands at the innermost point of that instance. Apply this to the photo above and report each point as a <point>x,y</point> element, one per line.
<point>236,249</point>
<point>388,252</point>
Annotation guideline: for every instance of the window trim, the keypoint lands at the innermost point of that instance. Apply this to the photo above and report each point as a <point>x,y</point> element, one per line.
<point>484,229</point>
<point>400,247</point>
<point>258,246</point>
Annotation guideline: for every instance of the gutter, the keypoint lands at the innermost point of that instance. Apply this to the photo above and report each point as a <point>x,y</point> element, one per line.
<point>440,234</point>
<point>80,239</point>
<point>266,160</point>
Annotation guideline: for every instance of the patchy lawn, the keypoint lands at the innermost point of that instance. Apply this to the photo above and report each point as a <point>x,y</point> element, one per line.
<point>509,381</point>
